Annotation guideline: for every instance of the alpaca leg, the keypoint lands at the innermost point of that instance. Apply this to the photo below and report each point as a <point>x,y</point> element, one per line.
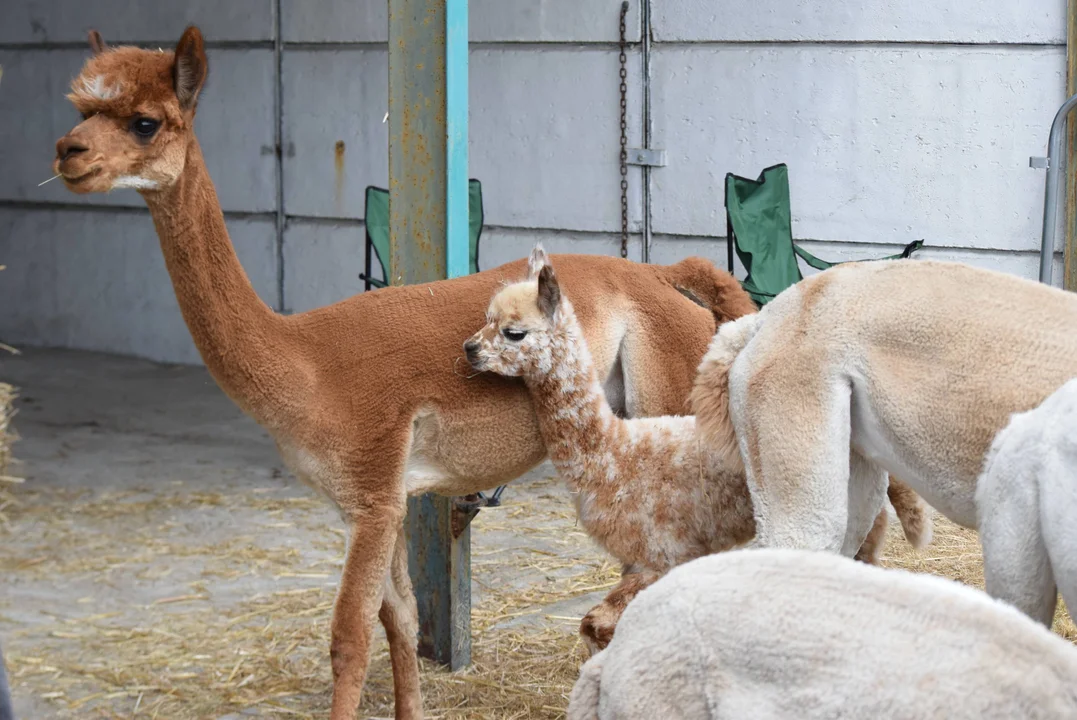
<point>1016,565</point>
<point>912,511</point>
<point>1058,507</point>
<point>867,500</point>
<point>794,434</point>
<point>400,617</point>
<point>373,533</point>
<point>598,625</point>
<point>871,551</point>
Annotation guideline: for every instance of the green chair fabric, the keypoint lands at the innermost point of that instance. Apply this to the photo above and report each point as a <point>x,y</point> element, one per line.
<point>377,231</point>
<point>759,226</point>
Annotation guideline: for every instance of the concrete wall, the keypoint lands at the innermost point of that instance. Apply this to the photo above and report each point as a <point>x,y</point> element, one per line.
<point>899,120</point>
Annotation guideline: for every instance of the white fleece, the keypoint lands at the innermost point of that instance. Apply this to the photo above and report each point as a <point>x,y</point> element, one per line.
<point>1026,503</point>
<point>769,634</point>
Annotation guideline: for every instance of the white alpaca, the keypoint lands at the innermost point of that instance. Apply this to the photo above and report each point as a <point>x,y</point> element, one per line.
<point>911,368</point>
<point>779,634</point>
<point>645,488</point>
<point>1027,507</point>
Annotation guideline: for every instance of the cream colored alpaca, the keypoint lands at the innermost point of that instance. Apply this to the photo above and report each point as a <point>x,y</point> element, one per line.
<point>1027,508</point>
<point>910,367</point>
<point>781,634</point>
<point>644,488</point>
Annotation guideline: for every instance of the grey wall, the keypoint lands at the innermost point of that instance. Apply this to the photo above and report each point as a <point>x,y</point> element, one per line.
<point>900,119</point>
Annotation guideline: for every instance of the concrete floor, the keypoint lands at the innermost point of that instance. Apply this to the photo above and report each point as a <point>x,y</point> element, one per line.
<point>147,495</point>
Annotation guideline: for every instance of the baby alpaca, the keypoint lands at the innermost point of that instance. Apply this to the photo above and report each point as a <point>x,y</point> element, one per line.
<point>645,489</point>
<point>1026,503</point>
<point>779,634</point>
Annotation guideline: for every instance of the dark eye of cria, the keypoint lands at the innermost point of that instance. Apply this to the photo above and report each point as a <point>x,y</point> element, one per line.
<point>144,127</point>
<point>514,335</point>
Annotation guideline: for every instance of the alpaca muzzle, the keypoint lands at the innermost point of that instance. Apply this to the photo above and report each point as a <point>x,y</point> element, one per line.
<point>471,349</point>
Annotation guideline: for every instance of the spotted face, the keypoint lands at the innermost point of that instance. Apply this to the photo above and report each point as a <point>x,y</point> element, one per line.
<point>137,110</point>
<point>517,338</point>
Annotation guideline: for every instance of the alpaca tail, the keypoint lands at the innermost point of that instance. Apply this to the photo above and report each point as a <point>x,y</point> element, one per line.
<point>912,511</point>
<point>714,289</point>
<point>710,394</point>
<point>583,702</point>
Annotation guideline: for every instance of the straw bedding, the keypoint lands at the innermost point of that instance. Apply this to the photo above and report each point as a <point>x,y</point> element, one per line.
<point>197,655</point>
<point>7,439</point>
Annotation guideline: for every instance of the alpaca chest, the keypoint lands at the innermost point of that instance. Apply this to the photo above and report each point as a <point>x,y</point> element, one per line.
<point>654,529</point>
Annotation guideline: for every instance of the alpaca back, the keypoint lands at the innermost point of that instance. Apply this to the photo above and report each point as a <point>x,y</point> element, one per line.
<point>792,634</point>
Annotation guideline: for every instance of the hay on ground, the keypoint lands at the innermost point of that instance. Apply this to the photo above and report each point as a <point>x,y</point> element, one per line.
<point>7,439</point>
<point>193,654</point>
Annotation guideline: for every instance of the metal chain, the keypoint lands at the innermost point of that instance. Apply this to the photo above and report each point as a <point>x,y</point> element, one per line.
<point>624,135</point>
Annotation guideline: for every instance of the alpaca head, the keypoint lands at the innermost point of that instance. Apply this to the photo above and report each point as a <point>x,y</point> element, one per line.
<point>522,324</point>
<point>138,109</point>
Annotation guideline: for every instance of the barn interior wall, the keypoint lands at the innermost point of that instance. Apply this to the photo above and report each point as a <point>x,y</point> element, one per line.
<point>899,121</point>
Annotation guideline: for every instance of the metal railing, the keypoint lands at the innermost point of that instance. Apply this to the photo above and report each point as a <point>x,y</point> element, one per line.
<point>1052,163</point>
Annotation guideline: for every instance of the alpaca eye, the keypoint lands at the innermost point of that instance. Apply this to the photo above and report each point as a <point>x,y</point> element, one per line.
<point>144,127</point>
<point>514,335</point>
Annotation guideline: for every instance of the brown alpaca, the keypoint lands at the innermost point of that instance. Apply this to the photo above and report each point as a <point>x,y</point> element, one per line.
<point>645,489</point>
<point>365,398</point>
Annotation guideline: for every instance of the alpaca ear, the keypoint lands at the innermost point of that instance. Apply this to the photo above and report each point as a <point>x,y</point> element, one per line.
<point>537,260</point>
<point>97,43</point>
<point>549,292</point>
<point>190,68</point>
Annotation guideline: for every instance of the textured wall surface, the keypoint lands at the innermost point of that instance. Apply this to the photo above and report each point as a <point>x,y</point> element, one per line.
<point>899,119</point>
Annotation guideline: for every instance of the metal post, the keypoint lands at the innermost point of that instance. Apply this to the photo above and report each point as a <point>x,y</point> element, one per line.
<point>456,197</point>
<point>428,240</point>
<point>1052,162</point>
<point>648,124</point>
<point>1069,253</point>
<point>646,156</point>
<point>6,712</point>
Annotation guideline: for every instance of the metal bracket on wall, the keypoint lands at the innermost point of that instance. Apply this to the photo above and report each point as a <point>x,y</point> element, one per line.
<point>1039,162</point>
<point>646,156</point>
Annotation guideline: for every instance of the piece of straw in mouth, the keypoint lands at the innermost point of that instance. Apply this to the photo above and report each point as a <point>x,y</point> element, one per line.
<point>47,181</point>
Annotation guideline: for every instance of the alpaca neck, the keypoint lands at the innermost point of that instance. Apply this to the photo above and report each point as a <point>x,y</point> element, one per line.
<point>574,416</point>
<point>238,335</point>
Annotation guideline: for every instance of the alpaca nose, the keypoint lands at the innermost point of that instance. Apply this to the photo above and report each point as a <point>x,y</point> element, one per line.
<point>68,146</point>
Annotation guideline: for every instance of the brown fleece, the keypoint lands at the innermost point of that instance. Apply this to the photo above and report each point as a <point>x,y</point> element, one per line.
<point>368,399</point>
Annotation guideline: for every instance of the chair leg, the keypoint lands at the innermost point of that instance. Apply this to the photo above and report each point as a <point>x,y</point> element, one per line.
<point>366,275</point>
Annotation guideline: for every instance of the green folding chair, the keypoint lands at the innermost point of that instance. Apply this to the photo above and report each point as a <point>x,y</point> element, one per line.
<point>759,226</point>
<point>377,231</point>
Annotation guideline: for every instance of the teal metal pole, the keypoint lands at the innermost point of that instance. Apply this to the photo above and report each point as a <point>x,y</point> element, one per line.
<point>456,138</point>
<point>428,240</point>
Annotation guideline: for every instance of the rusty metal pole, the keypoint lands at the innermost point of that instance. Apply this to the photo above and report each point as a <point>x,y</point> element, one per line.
<point>427,234</point>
